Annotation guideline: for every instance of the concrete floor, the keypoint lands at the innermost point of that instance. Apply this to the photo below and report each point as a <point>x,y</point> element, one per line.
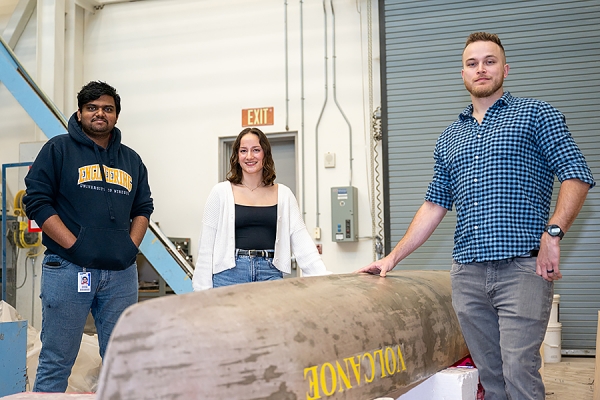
<point>570,379</point>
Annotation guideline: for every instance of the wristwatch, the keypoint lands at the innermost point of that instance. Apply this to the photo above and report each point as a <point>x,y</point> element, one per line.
<point>554,230</point>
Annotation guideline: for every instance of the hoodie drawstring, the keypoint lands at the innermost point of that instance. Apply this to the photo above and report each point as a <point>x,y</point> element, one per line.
<point>106,196</point>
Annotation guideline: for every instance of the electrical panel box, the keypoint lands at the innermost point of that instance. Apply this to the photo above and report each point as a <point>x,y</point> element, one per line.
<point>344,214</point>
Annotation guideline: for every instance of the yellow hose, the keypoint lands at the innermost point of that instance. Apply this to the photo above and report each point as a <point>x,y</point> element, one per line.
<point>19,235</point>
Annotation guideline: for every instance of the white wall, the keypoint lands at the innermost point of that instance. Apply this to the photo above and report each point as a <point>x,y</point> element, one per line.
<point>185,69</point>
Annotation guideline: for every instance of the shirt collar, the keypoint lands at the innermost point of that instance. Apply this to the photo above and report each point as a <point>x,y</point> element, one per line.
<point>503,101</point>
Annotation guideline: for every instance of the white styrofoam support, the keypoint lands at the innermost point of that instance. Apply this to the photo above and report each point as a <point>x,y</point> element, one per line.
<point>454,383</point>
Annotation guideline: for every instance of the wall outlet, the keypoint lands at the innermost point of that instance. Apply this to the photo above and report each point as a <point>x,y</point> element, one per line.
<point>317,233</point>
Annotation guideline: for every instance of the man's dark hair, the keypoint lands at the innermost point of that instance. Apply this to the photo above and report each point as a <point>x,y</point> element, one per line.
<point>484,37</point>
<point>95,90</point>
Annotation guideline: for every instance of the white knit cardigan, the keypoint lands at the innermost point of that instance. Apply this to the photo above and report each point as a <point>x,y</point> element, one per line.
<point>217,240</point>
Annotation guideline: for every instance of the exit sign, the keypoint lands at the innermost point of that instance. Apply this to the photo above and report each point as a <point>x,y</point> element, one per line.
<point>257,116</point>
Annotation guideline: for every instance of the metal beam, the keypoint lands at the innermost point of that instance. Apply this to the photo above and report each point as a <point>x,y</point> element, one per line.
<point>39,107</point>
<point>90,5</point>
<point>117,1</point>
<point>50,54</point>
<point>18,21</point>
<point>166,260</point>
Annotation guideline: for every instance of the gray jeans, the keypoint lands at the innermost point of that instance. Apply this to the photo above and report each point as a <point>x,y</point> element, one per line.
<point>503,309</point>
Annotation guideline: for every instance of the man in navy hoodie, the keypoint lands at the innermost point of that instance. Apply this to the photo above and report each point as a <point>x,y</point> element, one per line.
<point>90,195</point>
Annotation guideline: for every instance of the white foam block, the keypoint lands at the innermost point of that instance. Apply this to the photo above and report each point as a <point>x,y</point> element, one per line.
<point>450,384</point>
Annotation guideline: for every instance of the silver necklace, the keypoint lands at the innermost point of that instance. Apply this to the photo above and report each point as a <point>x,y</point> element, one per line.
<point>252,190</point>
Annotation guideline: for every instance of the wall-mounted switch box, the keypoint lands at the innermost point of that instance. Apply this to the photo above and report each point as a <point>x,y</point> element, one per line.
<point>344,214</point>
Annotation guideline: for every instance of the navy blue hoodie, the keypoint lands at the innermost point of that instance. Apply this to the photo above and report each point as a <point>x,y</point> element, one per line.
<point>95,191</point>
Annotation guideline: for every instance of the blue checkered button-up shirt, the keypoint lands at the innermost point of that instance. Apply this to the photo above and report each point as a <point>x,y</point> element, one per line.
<point>500,175</point>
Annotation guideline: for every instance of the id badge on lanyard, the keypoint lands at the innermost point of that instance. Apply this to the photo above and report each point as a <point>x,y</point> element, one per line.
<point>84,282</point>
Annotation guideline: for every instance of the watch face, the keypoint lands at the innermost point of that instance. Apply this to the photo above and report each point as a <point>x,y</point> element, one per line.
<point>554,230</point>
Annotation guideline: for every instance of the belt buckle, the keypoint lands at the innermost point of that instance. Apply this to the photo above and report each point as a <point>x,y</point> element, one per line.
<point>255,253</point>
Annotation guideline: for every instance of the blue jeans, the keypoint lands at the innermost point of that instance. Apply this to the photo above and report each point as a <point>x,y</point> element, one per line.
<point>503,309</point>
<point>248,269</point>
<point>65,310</point>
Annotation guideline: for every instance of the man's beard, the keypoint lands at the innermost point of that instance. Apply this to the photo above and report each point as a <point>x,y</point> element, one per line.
<point>91,130</point>
<point>483,92</point>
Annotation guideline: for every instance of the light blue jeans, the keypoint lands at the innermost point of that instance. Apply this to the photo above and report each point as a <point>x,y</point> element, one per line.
<point>248,269</point>
<point>65,310</point>
<point>503,308</point>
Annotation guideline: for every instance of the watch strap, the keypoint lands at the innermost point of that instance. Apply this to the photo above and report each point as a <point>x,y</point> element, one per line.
<point>550,228</point>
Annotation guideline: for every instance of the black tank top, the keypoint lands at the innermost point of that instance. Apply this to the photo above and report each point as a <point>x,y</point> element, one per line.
<point>255,227</point>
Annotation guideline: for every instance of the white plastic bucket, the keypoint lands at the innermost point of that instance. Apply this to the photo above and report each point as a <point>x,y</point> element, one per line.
<point>552,343</point>
<point>554,310</point>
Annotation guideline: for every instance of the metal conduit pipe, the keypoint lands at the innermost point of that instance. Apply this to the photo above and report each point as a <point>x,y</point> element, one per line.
<point>287,80</point>
<point>370,125</point>
<point>335,91</point>
<point>375,141</point>
<point>302,106</point>
<point>320,117</point>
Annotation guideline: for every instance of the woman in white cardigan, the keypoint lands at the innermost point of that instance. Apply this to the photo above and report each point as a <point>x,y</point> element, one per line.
<point>251,225</point>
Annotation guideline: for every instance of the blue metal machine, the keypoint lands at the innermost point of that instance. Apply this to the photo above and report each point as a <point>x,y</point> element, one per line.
<point>5,274</point>
<point>13,363</point>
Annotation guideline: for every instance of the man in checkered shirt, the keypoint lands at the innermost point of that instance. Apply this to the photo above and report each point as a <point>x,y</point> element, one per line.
<point>496,164</point>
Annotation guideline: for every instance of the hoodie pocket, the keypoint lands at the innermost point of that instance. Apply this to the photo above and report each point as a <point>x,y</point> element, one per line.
<point>101,248</point>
